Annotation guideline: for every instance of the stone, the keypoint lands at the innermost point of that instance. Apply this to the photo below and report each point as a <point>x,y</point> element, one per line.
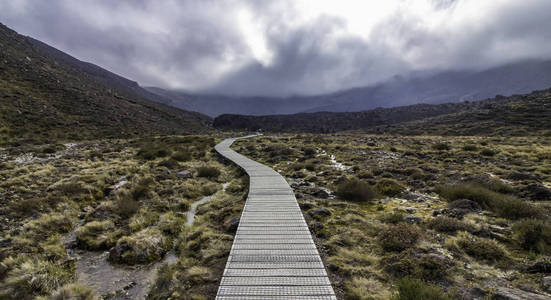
<point>412,219</point>
<point>184,174</point>
<point>305,205</point>
<point>547,283</point>
<point>321,194</point>
<point>503,293</point>
<point>320,212</point>
<point>231,225</point>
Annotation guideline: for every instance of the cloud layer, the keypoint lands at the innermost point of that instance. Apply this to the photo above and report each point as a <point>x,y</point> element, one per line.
<point>278,48</point>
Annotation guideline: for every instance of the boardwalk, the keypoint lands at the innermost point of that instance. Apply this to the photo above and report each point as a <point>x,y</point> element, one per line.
<point>273,255</point>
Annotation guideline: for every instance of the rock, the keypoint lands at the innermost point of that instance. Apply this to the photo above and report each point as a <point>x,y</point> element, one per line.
<point>522,176</point>
<point>113,188</point>
<point>503,293</point>
<point>537,192</point>
<point>412,219</point>
<point>305,205</point>
<point>231,225</point>
<point>410,210</point>
<point>547,283</point>
<point>320,212</point>
<point>184,174</point>
<point>475,293</point>
<point>321,194</point>
<point>541,266</point>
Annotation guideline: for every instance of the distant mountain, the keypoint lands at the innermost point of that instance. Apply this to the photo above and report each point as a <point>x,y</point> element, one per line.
<point>436,87</point>
<point>46,94</point>
<point>514,115</point>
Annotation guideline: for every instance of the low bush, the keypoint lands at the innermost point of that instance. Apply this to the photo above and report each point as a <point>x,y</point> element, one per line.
<point>399,237</point>
<point>389,187</point>
<point>209,172</point>
<point>355,190</point>
<point>476,247</point>
<point>415,289</point>
<point>441,147</point>
<point>449,225</point>
<point>533,235</point>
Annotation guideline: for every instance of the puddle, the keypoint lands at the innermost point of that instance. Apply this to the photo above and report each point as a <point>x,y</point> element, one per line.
<point>120,281</point>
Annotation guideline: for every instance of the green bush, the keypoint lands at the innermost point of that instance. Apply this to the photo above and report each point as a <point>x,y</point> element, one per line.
<point>533,235</point>
<point>209,172</point>
<point>415,289</point>
<point>441,147</point>
<point>399,237</point>
<point>389,187</point>
<point>479,248</point>
<point>355,190</point>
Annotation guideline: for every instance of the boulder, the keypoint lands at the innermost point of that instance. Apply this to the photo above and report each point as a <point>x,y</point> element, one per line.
<point>503,293</point>
<point>231,225</point>
<point>321,194</point>
<point>184,174</point>
<point>320,212</point>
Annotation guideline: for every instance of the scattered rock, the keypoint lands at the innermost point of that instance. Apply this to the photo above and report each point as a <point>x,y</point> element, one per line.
<point>115,187</point>
<point>503,293</point>
<point>412,219</point>
<point>320,212</point>
<point>184,174</point>
<point>537,192</point>
<point>231,225</point>
<point>547,283</point>
<point>305,205</point>
<point>522,176</point>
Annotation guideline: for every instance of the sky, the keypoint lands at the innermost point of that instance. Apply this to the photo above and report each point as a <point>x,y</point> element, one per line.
<point>285,47</point>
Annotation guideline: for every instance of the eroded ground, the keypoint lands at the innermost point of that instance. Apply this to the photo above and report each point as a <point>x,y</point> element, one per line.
<point>468,216</point>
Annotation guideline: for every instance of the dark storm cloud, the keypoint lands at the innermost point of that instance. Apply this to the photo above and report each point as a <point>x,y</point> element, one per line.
<point>284,47</point>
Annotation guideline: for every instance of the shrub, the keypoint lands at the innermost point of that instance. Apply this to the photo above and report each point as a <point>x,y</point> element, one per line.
<point>470,148</point>
<point>393,218</point>
<point>533,235</point>
<point>399,237</point>
<point>449,225</point>
<point>415,289</point>
<point>388,187</point>
<point>33,276</point>
<point>476,247</point>
<point>423,266</point>
<point>95,235</point>
<point>488,152</point>
<point>73,291</point>
<point>181,156</point>
<point>152,152</point>
<point>127,205</point>
<point>504,205</point>
<point>209,172</point>
<point>355,190</point>
<point>308,151</point>
<point>441,147</point>
<point>169,163</point>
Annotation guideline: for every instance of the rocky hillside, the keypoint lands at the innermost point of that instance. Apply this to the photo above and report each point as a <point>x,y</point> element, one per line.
<point>46,94</point>
<point>515,115</point>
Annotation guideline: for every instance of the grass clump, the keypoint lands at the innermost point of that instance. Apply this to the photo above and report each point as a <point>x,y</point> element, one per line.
<point>72,291</point>
<point>355,190</point>
<point>488,152</point>
<point>470,148</point>
<point>152,152</point>
<point>208,172</point>
<point>145,246</point>
<point>95,235</point>
<point>441,147</point>
<point>533,235</point>
<point>476,247</point>
<point>505,206</point>
<point>399,237</point>
<point>389,187</point>
<point>415,289</point>
<point>33,276</point>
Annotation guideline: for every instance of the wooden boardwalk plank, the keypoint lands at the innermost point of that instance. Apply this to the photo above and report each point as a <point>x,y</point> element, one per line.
<point>273,255</point>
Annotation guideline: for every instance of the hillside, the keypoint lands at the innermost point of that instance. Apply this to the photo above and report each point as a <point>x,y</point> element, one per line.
<point>516,115</point>
<point>47,94</point>
<point>429,88</point>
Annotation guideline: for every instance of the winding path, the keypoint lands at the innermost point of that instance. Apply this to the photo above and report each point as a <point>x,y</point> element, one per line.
<point>273,255</point>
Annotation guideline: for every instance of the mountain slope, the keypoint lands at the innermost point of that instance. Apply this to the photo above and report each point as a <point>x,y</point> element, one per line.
<point>441,87</point>
<point>46,95</point>
<point>515,115</point>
